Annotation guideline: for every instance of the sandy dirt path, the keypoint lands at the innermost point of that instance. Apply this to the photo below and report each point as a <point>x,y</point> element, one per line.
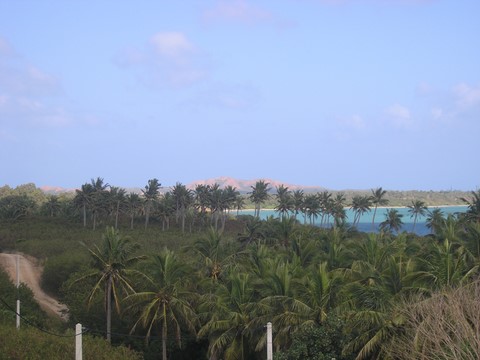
<point>30,274</point>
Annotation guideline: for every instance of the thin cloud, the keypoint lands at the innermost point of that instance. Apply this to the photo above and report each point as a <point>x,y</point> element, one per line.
<point>466,96</point>
<point>168,58</point>
<point>172,45</point>
<point>237,10</point>
<point>399,115</point>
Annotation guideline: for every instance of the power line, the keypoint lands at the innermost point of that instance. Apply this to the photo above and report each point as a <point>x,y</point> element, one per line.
<point>91,331</point>
<point>37,327</point>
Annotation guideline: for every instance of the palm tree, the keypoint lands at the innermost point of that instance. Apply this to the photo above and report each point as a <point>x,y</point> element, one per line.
<point>312,207</point>
<point>117,197</point>
<point>378,199</point>
<point>298,198</point>
<point>417,207</point>
<point>83,198</point>
<point>183,199</point>
<point>473,212</point>
<point>239,203</point>
<point>393,221</point>
<point>52,206</point>
<point>112,263</point>
<point>133,205</point>
<point>259,195</point>
<point>360,205</point>
<point>284,200</point>
<point>435,220</point>
<point>338,209</point>
<point>151,195</point>
<point>98,200</point>
<point>165,303</point>
<point>229,315</point>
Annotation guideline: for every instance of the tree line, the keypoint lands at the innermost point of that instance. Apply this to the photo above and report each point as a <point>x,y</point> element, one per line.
<point>205,205</point>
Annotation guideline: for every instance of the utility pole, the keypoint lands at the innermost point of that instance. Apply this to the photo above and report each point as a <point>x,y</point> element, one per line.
<point>17,259</point>
<point>269,342</point>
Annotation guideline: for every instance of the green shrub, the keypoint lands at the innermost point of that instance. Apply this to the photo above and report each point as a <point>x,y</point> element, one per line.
<point>58,269</point>
<point>30,343</point>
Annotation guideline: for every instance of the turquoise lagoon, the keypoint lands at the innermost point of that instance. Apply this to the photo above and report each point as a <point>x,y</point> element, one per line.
<point>365,223</point>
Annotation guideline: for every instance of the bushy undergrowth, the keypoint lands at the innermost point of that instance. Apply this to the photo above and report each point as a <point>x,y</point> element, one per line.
<point>32,344</point>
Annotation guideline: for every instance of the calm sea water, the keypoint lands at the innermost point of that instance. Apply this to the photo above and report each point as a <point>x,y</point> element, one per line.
<point>365,223</point>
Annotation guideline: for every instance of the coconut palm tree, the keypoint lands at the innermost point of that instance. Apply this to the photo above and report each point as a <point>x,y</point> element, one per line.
<point>393,221</point>
<point>378,199</point>
<point>52,206</point>
<point>360,205</point>
<point>229,316</point>
<point>133,205</point>
<point>116,196</point>
<point>151,196</point>
<point>166,302</point>
<point>435,220</point>
<point>473,203</point>
<point>112,271</point>
<point>183,200</point>
<point>259,195</point>
<point>83,198</point>
<point>417,208</point>
<point>298,198</point>
<point>98,198</point>
<point>284,200</point>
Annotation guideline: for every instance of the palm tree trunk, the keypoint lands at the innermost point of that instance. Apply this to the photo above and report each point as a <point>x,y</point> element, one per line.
<point>109,310</point>
<point>116,215</point>
<point>373,219</point>
<point>164,334</point>
<point>84,215</point>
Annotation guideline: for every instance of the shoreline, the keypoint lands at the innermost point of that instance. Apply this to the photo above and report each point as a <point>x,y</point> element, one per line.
<point>379,207</point>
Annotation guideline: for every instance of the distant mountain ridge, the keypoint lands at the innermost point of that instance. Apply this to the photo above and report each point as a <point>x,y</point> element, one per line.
<point>246,185</point>
<point>241,185</point>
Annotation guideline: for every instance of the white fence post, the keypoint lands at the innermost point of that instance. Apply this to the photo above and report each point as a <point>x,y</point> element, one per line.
<point>269,342</point>
<point>17,268</point>
<point>78,342</point>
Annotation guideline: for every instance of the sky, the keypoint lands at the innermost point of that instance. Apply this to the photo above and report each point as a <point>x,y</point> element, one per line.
<point>344,94</point>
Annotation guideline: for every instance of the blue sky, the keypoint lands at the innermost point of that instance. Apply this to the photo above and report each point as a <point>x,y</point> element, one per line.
<point>351,94</point>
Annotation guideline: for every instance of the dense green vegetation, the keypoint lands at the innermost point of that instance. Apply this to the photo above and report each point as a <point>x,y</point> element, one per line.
<point>190,280</point>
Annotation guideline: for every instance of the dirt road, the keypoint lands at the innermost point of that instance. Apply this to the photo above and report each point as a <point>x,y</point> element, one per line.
<point>30,274</point>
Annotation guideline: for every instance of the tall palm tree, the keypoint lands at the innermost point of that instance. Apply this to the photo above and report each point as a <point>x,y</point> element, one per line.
<point>298,198</point>
<point>166,302</point>
<point>360,205</point>
<point>133,205</point>
<point>378,199</point>
<point>117,198</point>
<point>473,206</point>
<point>284,200</point>
<point>259,195</point>
<point>151,196</point>
<point>229,315</point>
<point>183,200</point>
<point>435,220</point>
<point>393,221</point>
<point>417,208</point>
<point>52,206</point>
<point>98,198</point>
<point>112,270</point>
<point>83,198</point>
<point>312,207</point>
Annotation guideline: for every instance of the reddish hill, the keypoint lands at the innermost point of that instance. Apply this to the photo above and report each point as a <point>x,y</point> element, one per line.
<point>246,185</point>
